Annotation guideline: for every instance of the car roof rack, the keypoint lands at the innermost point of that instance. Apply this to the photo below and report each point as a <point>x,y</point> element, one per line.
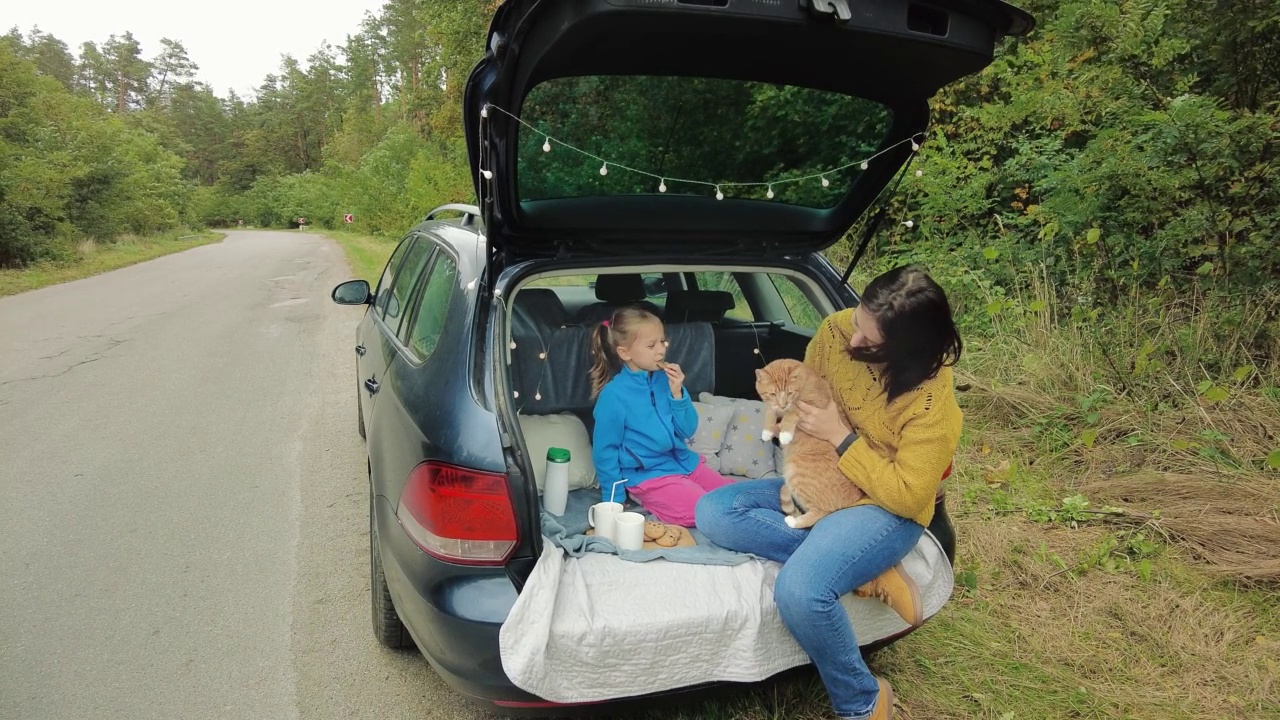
<point>469,212</point>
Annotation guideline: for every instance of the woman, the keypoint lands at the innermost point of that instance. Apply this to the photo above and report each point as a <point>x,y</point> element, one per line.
<point>888,362</point>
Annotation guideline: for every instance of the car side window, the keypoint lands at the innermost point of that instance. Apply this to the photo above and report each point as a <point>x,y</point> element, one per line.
<point>655,288</point>
<point>406,277</point>
<point>725,281</point>
<point>383,294</point>
<point>799,307</point>
<point>433,306</point>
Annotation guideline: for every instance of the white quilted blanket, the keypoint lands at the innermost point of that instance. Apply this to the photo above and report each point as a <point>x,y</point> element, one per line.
<point>599,628</point>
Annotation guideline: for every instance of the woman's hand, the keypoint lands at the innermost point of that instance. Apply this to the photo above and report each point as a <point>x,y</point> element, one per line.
<point>675,378</point>
<point>824,423</point>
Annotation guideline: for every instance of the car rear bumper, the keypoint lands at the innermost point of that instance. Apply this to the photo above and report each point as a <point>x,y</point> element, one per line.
<point>453,612</point>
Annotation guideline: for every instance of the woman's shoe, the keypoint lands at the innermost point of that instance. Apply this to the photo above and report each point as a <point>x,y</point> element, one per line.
<point>884,703</point>
<point>895,588</point>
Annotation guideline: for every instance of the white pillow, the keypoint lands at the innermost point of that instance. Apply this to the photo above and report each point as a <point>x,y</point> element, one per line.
<point>566,431</point>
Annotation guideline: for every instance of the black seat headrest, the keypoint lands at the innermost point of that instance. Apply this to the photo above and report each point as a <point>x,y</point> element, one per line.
<point>539,308</point>
<point>698,305</point>
<point>621,289</point>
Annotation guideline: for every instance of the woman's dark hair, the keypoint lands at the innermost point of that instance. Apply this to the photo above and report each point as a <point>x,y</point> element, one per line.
<point>919,335</point>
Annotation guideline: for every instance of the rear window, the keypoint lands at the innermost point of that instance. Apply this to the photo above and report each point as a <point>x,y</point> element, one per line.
<point>705,129</point>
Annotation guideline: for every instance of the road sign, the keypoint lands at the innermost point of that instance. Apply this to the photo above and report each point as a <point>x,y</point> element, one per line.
<point>348,218</point>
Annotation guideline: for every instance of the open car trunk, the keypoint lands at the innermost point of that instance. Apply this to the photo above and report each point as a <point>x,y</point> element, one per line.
<point>657,620</point>
<point>583,117</point>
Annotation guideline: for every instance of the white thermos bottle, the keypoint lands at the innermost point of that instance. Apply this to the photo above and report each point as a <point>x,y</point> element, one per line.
<point>555,489</point>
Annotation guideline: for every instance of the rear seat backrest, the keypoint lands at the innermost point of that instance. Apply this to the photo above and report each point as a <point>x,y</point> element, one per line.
<point>535,314</point>
<point>562,383</point>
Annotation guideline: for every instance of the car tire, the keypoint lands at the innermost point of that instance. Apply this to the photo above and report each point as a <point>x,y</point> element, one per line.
<point>391,633</point>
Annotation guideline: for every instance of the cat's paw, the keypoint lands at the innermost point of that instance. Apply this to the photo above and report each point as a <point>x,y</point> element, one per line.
<point>766,435</point>
<point>785,438</point>
<point>791,522</point>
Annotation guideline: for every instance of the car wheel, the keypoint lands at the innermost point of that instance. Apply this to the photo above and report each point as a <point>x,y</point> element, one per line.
<point>387,627</point>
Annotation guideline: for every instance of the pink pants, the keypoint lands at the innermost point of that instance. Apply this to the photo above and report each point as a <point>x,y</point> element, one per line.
<point>671,498</point>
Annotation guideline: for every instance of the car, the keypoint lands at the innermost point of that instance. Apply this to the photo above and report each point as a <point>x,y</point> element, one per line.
<point>740,139</point>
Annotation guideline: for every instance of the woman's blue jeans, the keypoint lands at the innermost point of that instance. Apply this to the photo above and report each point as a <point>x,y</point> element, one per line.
<point>839,554</point>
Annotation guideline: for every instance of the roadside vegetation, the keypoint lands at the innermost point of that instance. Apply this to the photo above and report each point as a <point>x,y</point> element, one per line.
<point>89,257</point>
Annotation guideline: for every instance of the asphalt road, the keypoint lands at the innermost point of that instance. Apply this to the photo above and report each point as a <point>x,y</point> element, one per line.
<point>183,508</point>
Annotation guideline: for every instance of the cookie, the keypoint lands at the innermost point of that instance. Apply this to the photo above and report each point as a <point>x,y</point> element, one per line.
<point>670,537</point>
<point>654,530</point>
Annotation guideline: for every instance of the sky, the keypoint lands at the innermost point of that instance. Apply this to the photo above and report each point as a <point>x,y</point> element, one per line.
<point>236,43</point>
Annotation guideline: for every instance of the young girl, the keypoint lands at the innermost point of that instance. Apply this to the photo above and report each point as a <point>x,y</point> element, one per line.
<point>643,414</point>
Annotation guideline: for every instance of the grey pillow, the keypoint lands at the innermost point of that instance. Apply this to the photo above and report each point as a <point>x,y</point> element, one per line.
<point>777,461</point>
<point>743,452</point>
<point>713,420</point>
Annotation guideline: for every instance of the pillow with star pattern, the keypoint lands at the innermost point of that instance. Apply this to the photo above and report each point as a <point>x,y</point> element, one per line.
<point>713,420</point>
<point>743,453</point>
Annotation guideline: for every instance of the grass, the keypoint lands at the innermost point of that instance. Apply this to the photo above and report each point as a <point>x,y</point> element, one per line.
<point>367,254</point>
<point>1117,502</point>
<point>92,258</point>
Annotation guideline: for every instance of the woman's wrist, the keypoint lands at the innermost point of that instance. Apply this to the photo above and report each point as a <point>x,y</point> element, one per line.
<point>843,442</point>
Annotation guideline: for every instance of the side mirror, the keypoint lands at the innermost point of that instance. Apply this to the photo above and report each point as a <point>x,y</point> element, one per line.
<point>352,292</point>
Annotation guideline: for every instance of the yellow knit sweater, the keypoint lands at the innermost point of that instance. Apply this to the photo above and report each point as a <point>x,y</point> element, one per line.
<point>902,447</point>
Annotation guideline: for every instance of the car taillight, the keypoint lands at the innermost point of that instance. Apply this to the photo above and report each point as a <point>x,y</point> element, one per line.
<point>459,515</point>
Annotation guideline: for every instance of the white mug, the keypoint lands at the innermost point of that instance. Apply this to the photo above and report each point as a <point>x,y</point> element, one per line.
<point>601,516</point>
<point>628,531</point>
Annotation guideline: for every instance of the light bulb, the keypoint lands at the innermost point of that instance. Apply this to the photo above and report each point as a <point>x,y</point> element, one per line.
<point>546,145</point>
<point>497,292</point>
<point>537,395</point>
<point>755,351</point>
<point>719,195</point>
<point>542,356</point>
<point>515,394</point>
<point>488,175</point>
<point>919,173</point>
<point>471,285</point>
<point>662,185</point>
<point>864,165</point>
<point>914,146</point>
<point>825,181</point>
<point>909,224</point>
<point>769,194</point>
<point>513,344</point>
<point>604,169</point>
<point>484,111</point>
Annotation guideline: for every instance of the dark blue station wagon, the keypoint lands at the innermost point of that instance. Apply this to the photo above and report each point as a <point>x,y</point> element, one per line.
<point>452,348</point>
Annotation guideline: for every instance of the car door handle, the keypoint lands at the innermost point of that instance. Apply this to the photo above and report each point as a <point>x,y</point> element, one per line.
<point>371,385</point>
<point>360,350</point>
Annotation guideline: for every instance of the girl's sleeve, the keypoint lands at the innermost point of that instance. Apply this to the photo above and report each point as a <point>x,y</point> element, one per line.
<point>606,441</point>
<point>683,415</point>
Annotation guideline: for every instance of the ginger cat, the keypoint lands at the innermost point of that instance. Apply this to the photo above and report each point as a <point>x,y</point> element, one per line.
<point>813,484</point>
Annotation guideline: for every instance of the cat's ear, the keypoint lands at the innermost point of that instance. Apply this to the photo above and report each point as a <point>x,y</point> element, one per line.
<point>761,375</point>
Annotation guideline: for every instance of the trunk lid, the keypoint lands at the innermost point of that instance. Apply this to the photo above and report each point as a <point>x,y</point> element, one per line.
<point>707,126</point>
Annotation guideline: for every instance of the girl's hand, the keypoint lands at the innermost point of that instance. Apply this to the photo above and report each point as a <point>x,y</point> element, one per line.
<point>675,378</point>
<point>824,423</point>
